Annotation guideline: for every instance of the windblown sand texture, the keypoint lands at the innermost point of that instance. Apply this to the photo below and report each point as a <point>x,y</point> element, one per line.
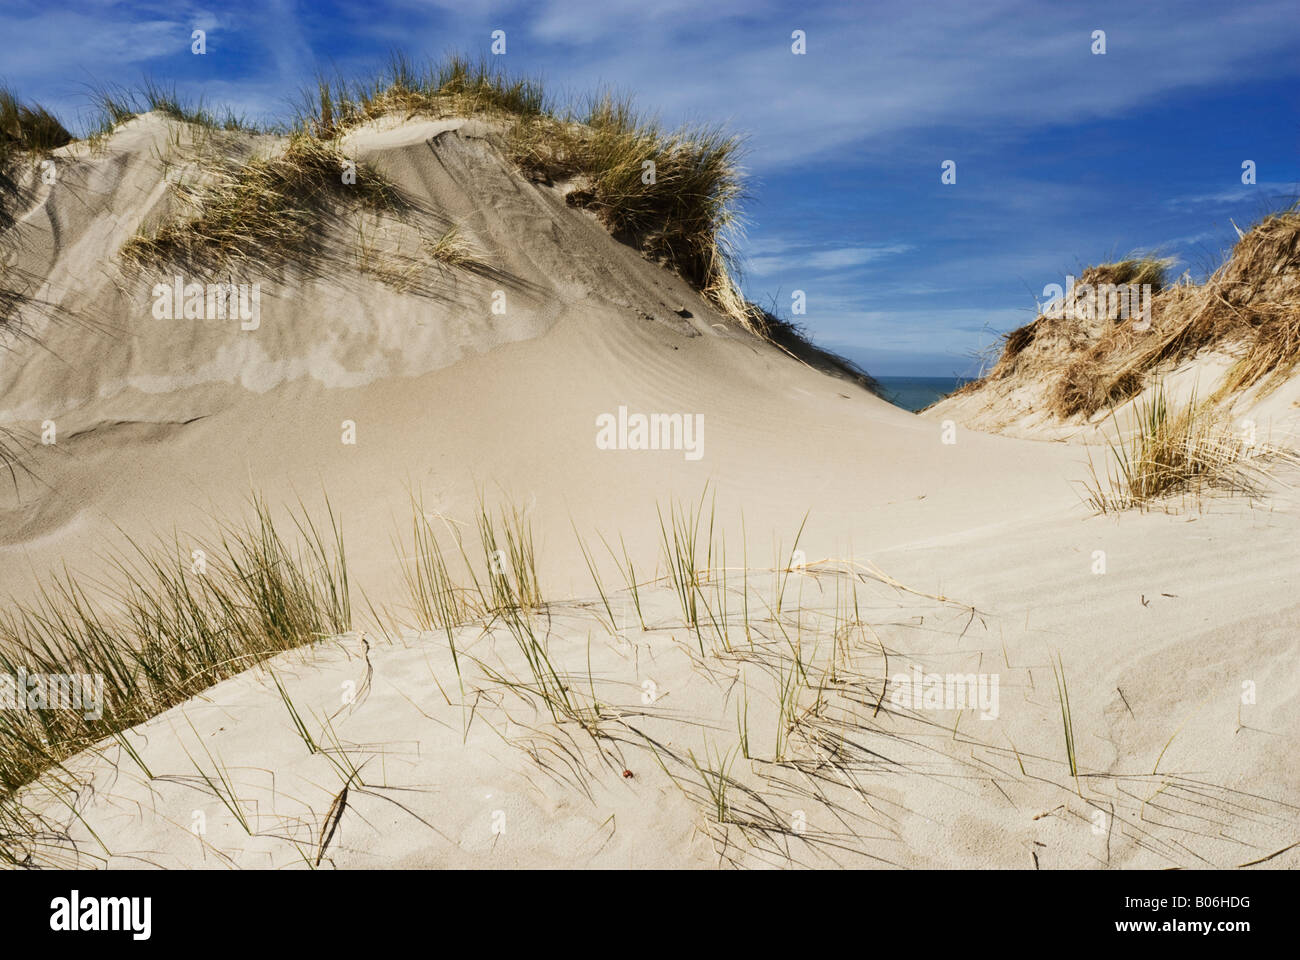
<point>745,707</point>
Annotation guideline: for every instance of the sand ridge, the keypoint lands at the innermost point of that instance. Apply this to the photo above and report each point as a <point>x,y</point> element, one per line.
<point>969,557</point>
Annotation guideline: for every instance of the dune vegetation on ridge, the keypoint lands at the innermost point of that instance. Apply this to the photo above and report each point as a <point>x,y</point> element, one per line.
<point>674,195</point>
<point>1090,359</point>
<point>1102,357</point>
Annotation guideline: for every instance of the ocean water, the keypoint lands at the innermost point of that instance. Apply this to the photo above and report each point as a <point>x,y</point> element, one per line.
<point>916,393</point>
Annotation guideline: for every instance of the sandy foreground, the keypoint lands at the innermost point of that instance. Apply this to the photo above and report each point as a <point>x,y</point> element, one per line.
<point>795,723</point>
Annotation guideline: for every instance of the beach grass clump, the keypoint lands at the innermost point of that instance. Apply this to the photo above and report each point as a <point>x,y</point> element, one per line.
<point>1249,308</point>
<point>1259,302</point>
<point>115,104</point>
<point>266,210</point>
<point>687,560</point>
<point>1139,268</point>
<point>28,127</point>
<point>27,130</point>
<point>455,86</point>
<point>443,588</point>
<point>674,195</point>
<point>168,623</point>
<point>452,248</point>
<point>1177,451</point>
<point>507,593</point>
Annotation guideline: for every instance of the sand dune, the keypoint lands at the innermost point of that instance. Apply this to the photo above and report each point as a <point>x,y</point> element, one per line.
<point>772,732</point>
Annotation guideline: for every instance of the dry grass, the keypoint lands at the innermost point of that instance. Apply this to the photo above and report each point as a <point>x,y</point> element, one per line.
<point>161,631</point>
<point>115,104</point>
<point>27,130</point>
<point>1137,269</point>
<point>683,213</point>
<point>399,254</point>
<point>1087,334</point>
<point>1177,452</point>
<point>261,212</point>
<point>687,218</point>
<point>454,87</point>
<point>453,249</point>
<point>28,126</point>
<point>1249,306</point>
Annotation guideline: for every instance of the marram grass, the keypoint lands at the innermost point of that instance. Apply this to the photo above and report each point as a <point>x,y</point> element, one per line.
<point>165,625</point>
<point>1169,452</point>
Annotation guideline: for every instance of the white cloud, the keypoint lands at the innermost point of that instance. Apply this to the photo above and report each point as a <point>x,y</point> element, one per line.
<point>853,256</point>
<point>1265,191</point>
<point>873,74</point>
<point>835,258</point>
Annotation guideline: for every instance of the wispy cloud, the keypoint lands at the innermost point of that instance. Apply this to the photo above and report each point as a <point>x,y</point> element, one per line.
<point>1265,192</point>
<point>872,75</point>
<point>794,255</point>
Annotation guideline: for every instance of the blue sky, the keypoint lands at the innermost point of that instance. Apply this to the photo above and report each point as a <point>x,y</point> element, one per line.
<point>1064,158</point>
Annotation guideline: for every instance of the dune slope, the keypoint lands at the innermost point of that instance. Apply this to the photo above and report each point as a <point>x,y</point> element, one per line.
<point>927,549</point>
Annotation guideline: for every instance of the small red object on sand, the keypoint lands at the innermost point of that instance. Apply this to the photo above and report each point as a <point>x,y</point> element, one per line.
<point>627,773</point>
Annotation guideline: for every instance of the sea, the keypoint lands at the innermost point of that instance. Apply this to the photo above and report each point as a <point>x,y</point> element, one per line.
<point>916,393</point>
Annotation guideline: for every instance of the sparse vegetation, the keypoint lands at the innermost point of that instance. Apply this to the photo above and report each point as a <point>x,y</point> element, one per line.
<point>1169,452</point>
<point>162,628</point>
<point>116,104</point>
<point>824,735</point>
<point>1249,306</point>
<point>263,211</point>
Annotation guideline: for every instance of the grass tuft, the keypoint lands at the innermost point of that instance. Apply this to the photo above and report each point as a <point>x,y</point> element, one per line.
<point>674,195</point>
<point>28,126</point>
<point>263,211</point>
<point>456,86</point>
<point>115,104</point>
<point>27,131</point>
<point>164,628</point>
<point>1176,451</point>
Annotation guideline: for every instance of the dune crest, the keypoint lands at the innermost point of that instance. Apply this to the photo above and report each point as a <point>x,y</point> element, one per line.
<point>480,617</point>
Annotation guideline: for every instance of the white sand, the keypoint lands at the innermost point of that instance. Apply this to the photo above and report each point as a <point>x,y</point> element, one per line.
<point>163,425</point>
